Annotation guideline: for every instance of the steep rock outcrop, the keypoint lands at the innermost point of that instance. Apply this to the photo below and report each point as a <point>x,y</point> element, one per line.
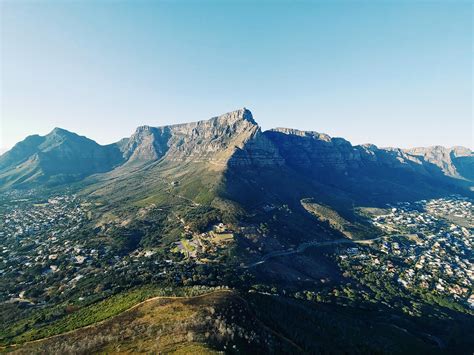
<point>213,140</point>
<point>233,138</point>
<point>456,161</point>
<point>146,144</point>
<point>312,150</point>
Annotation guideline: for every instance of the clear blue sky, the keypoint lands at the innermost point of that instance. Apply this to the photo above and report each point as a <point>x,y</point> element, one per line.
<point>393,73</point>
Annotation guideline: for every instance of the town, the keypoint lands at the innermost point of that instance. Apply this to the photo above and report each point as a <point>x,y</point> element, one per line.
<point>50,251</point>
<point>426,245</point>
<point>40,238</point>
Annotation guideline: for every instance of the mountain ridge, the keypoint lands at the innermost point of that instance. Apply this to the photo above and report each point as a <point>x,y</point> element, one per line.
<point>233,138</point>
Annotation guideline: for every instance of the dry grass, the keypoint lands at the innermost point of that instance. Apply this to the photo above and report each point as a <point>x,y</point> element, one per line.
<point>198,325</point>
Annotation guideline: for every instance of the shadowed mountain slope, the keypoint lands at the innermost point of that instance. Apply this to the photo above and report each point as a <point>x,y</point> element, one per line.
<point>365,173</point>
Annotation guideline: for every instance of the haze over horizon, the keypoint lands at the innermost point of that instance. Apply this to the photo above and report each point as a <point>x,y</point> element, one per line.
<point>389,73</point>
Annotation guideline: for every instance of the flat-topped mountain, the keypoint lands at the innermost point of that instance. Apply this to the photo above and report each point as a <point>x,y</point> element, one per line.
<point>214,140</point>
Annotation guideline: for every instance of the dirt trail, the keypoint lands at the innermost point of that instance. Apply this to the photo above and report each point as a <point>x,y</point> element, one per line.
<point>108,319</point>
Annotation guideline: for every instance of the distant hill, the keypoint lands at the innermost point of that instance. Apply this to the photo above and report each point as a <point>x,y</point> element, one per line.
<point>57,158</point>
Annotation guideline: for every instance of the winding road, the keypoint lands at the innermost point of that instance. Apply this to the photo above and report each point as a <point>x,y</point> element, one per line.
<point>302,247</point>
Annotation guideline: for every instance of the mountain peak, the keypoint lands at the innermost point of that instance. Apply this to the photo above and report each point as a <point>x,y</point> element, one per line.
<point>247,115</point>
<point>60,131</point>
<point>142,131</point>
<point>242,114</point>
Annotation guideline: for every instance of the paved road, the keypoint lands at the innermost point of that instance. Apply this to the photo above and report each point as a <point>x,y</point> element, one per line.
<point>302,247</point>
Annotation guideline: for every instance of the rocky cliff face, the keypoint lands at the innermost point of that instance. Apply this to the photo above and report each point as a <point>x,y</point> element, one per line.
<point>368,172</point>
<point>455,161</point>
<point>146,144</point>
<point>318,151</point>
<point>311,150</point>
<point>390,158</point>
<point>214,140</point>
<point>233,138</point>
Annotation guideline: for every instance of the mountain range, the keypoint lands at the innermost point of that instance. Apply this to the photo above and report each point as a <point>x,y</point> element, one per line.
<point>233,146</point>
